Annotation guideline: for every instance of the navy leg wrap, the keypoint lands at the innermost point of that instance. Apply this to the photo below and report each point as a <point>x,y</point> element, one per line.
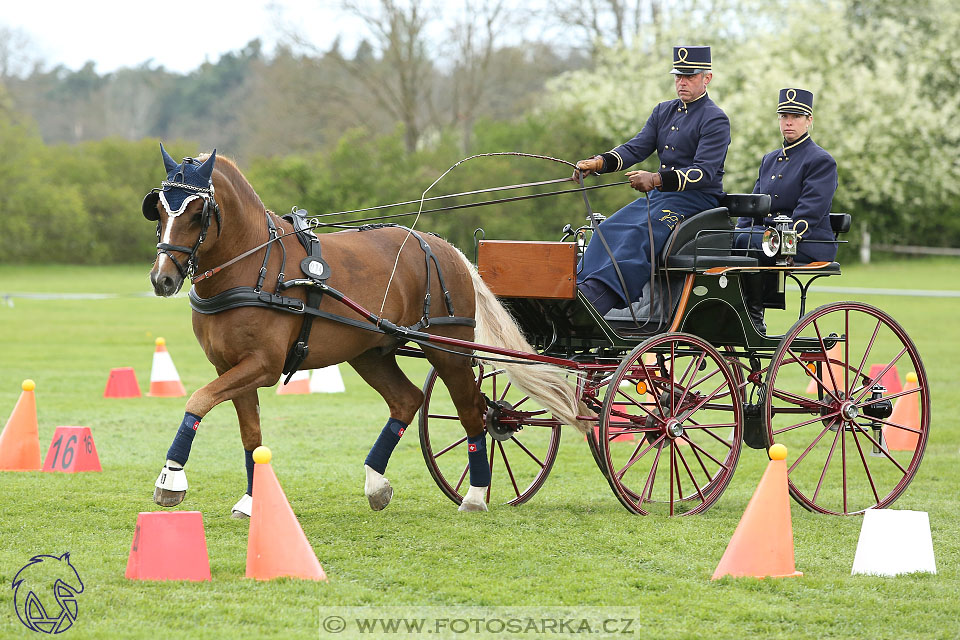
<point>248,458</point>
<point>389,437</point>
<point>179,451</point>
<point>479,467</point>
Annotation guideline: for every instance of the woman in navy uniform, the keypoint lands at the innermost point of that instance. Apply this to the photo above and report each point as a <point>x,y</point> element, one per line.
<point>690,136</point>
<point>801,179</point>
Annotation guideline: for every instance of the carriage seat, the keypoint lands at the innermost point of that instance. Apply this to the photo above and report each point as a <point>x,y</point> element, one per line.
<point>704,240</point>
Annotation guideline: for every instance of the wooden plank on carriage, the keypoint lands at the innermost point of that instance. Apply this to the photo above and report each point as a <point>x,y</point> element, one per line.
<point>521,269</point>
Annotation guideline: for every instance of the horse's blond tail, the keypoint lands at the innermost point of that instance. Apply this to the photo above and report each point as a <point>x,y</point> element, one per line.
<point>547,384</point>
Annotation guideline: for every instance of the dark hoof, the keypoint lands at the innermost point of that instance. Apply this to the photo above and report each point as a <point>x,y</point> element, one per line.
<point>167,498</point>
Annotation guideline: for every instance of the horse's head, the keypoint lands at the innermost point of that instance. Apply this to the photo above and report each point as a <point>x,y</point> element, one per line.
<point>183,208</point>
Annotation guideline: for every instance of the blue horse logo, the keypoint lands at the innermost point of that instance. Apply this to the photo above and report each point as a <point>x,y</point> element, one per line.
<point>33,586</point>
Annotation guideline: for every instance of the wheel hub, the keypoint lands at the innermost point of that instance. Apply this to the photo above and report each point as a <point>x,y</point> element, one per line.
<point>849,411</point>
<point>491,419</point>
<point>674,428</point>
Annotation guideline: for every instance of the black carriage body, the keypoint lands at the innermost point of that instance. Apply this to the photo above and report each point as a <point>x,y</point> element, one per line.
<point>669,378</point>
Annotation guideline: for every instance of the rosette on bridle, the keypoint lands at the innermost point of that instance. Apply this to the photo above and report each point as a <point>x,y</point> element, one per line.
<point>188,181</point>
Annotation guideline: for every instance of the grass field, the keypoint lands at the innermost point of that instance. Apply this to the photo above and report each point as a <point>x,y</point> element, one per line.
<point>573,545</point>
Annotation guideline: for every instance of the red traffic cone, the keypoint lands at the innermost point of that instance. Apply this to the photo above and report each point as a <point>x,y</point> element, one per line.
<point>169,545</point>
<point>164,379</point>
<point>20,439</point>
<point>906,412</point>
<point>299,383</point>
<point>890,380</point>
<point>762,545</point>
<point>276,544</point>
<point>122,383</point>
<point>72,450</point>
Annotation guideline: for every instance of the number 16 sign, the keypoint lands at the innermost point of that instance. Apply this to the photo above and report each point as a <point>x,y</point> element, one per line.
<point>72,450</point>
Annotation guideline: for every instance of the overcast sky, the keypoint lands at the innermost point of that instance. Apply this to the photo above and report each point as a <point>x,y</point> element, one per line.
<point>179,35</point>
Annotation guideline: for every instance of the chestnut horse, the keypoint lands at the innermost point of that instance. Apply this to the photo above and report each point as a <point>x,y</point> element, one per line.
<point>208,215</point>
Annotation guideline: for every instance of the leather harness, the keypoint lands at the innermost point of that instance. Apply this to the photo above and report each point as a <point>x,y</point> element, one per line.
<point>316,271</point>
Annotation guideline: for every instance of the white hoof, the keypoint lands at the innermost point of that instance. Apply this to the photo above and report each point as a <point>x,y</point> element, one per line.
<point>243,508</point>
<point>474,501</point>
<point>377,489</point>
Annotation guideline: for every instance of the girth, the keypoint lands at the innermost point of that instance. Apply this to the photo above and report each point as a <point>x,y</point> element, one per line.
<point>316,272</point>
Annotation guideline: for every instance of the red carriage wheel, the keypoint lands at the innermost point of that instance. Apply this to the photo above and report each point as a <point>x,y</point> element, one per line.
<point>822,404</point>
<point>671,426</point>
<point>520,460</point>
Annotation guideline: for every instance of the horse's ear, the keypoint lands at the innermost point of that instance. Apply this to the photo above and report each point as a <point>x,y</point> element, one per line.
<point>168,163</point>
<point>149,206</point>
<point>205,170</point>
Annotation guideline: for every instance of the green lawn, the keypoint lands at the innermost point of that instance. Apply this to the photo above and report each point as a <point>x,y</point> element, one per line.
<point>572,545</point>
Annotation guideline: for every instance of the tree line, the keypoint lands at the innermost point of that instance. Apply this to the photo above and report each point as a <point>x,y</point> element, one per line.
<point>330,131</point>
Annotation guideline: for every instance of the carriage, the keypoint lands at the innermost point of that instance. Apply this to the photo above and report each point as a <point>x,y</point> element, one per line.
<point>667,392</point>
<point>679,384</point>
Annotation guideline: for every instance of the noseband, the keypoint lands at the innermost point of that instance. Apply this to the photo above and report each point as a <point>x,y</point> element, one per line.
<point>210,208</point>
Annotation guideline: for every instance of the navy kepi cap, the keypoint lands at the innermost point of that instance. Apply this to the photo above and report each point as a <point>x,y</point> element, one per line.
<point>795,101</point>
<point>688,61</point>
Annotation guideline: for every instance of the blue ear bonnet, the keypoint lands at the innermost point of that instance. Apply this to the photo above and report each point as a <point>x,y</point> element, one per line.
<point>194,176</point>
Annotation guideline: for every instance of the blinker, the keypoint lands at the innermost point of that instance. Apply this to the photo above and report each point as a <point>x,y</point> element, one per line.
<point>149,206</point>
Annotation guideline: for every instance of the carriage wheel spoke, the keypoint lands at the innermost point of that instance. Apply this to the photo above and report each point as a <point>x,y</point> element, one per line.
<point>826,465</point>
<point>506,464</point>
<point>692,478</point>
<point>462,476</point>
<point>882,449</point>
<point>866,468</point>
<point>808,449</point>
<point>673,465</point>
<point>843,464</point>
<point>869,348</point>
<point>527,451</point>
<point>506,388</point>
<point>882,373</point>
<point>823,347</point>
<point>827,416</point>
<point>823,385</point>
<point>493,450</point>
<point>449,447</point>
<point>636,456</point>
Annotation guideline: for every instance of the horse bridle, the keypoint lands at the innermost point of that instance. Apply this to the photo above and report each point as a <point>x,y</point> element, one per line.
<point>210,208</point>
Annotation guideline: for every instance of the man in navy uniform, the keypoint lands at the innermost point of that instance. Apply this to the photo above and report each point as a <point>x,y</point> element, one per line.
<point>690,136</point>
<point>801,179</point>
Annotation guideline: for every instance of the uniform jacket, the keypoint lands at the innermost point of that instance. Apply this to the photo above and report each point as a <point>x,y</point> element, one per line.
<point>691,141</point>
<point>801,179</point>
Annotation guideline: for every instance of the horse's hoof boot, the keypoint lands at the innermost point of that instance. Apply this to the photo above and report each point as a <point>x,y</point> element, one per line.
<point>472,506</point>
<point>167,498</point>
<point>380,498</point>
<point>243,508</point>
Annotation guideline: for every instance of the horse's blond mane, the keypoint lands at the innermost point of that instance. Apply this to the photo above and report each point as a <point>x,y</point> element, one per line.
<point>228,167</point>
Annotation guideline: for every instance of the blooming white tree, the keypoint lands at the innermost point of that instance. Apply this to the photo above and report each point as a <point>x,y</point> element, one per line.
<point>885,99</point>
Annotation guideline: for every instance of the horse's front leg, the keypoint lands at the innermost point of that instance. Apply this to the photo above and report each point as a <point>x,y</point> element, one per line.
<point>248,415</point>
<point>247,376</point>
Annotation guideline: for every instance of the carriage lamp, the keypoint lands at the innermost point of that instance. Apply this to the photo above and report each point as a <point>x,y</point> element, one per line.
<point>877,410</point>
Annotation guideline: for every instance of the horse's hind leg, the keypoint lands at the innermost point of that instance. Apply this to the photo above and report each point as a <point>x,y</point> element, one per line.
<point>458,376</point>
<point>248,415</point>
<point>403,399</point>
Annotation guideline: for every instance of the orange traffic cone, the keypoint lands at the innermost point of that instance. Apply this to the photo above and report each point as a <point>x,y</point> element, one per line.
<point>20,440</point>
<point>299,383</point>
<point>906,412</point>
<point>169,545</point>
<point>276,544</point>
<point>122,383</point>
<point>164,379</point>
<point>832,354</point>
<point>762,545</point>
